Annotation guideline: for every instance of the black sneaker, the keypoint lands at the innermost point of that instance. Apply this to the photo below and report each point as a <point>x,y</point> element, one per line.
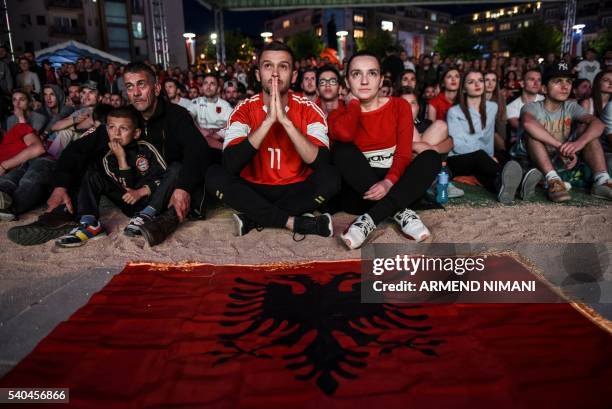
<point>243,224</point>
<point>157,230</point>
<point>49,226</point>
<point>133,227</point>
<point>530,181</point>
<point>319,225</point>
<point>511,176</point>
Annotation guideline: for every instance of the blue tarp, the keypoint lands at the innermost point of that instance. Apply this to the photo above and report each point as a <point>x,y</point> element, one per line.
<point>70,51</point>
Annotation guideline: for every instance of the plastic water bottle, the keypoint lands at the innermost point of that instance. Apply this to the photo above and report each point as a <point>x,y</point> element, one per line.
<point>442,185</point>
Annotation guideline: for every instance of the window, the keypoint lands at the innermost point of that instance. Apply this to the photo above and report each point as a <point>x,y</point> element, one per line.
<point>490,29</point>
<point>526,23</point>
<point>475,17</point>
<point>319,31</point>
<point>286,23</point>
<point>488,14</point>
<point>477,30</point>
<point>386,25</point>
<point>138,29</point>
<point>505,26</point>
<point>137,51</point>
<point>358,18</point>
<point>41,20</point>
<point>358,33</point>
<point>115,13</point>
<point>433,17</point>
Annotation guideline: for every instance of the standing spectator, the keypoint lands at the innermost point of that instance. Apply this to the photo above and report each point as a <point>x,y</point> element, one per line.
<point>89,73</point>
<point>5,57</point>
<point>6,78</point>
<point>71,77</point>
<point>35,68</point>
<point>27,80</point>
<point>426,74</point>
<point>589,67</point>
<point>408,65</point>
<point>110,83</point>
<point>50,74</point>
<point>392,64</point>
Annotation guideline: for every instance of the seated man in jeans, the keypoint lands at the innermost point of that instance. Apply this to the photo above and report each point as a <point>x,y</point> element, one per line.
<point>25,178</point>
<point>276,155</point>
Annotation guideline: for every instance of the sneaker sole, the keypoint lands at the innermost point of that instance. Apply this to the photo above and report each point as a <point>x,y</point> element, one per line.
<point>33,235</point>
<point>238,225</point>
<point>7,217</point>
<point>330,225</point>
<point>601,197</point>
<point>530,181</point>
<point>81,243</point>
<point>132,233</point>
<point>511,180</point>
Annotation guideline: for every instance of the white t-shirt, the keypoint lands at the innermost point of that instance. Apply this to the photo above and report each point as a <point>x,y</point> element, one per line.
<point>210,115</point>
<point>513,109</point>
<point>588,69</point>
<point>185,103</point>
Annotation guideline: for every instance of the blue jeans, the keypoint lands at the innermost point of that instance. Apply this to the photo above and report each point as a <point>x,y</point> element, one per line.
<point>29,185</point>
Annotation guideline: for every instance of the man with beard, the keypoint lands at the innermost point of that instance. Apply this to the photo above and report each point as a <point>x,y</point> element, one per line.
<point>230,93</point>
<point>169,129</point>
<point>211,112</point>
<point>276,166</point>
<point>309,84</point>
<point>74,96</point>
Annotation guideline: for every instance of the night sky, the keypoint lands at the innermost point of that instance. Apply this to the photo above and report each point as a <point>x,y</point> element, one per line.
<point>199,20</point>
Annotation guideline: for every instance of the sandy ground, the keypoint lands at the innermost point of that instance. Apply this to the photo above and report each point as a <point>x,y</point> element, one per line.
<point>212,240</point>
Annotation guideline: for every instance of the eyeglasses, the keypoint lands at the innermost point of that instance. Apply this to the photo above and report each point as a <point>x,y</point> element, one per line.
<point>332,82</point>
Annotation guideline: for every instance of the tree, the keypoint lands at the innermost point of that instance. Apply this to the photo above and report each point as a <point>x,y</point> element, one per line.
<point>305,44</point>
<point>457,41</point>
<point>377,43</point>
<point>238,47</point>
<point>537,39</point>
<point>603,42</point>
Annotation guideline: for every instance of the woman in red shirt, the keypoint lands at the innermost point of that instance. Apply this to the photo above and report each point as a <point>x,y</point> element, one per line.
<point>449,89</point>
<point>373,151</point>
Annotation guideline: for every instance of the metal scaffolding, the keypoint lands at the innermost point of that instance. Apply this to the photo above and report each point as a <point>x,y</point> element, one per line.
<point>568,25</point>
<point>160,33</point>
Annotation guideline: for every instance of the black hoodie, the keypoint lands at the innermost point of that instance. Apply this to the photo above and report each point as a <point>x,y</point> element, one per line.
<point>170,129</point>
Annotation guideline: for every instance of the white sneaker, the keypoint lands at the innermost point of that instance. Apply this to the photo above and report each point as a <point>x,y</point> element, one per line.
<point>453,191</point>
<point>357,232</point>
<point>411,225</point>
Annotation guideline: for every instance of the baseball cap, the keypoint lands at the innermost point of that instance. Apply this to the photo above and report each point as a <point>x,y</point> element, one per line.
<point>92,85</point>
<point>559,69</point>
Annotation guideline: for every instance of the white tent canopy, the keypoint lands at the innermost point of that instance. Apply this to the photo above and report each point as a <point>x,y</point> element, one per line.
<point>70,51</point>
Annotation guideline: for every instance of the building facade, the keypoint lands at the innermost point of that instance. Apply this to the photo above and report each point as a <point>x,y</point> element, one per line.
<point>131,29</point>
<point>496,28</point>
<point>415,28</point>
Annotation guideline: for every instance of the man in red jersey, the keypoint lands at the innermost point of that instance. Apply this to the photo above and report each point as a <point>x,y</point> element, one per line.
<point>276,155</point>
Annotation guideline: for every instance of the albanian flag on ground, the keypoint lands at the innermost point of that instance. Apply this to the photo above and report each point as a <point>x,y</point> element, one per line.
<point>298,336</point>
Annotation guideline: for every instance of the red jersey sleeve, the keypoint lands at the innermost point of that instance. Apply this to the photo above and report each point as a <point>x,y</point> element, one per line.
<point>316,125</point>
<point>404,134</point>
<point>343,122</point>
<point>238,125</point>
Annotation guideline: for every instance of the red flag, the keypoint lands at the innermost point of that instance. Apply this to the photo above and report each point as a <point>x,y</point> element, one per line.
<point>298,336</point>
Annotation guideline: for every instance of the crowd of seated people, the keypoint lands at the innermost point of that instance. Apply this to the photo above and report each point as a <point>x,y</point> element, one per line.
<point>280,139</point>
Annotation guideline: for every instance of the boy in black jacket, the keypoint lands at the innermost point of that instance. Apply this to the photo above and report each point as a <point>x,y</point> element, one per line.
<point>128,175</point>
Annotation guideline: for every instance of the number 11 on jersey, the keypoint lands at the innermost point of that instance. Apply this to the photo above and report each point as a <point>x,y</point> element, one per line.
<point>278,152</point>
